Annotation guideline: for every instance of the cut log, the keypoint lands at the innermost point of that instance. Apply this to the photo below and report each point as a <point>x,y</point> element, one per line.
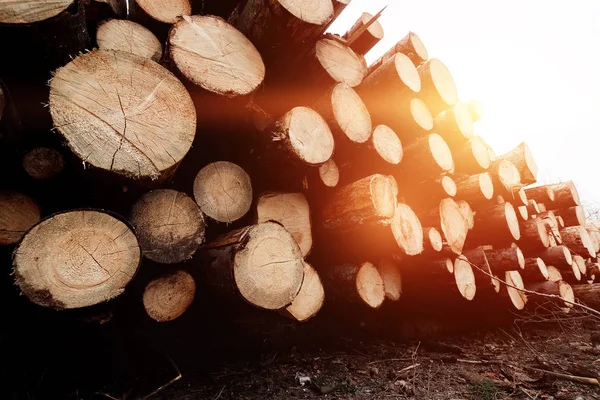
<point>18,213</point>
<point>534,235</point>
<point>365,41</point>
<point>588,294</point>
<point>346,114</point>
<point>451,221</point>
<point>522,158</point>
<point>411,46</point>
<point>432,240</point>
<point>167,11</point>
<point>123,35</point>
<point>535,268</point>
<point>292,211</point>
<point>505,177</point>
<point>30,11</point>
<point>572,216</point>
<point>519,197</point>
<point>557,256</point>
<point>310,299</point>
<point>577,239</point>
<point>438,89</point>
<point>169,225</point>
<point>532,207</point>
<point>523,213</point>
<point>138,130</point>
<point>455,125</point>
<point>329,173</point>
<point>425,195</point>
<point>541,194</point>
<point>355,284</point>
<point>464,278</point>
<point>76,259</point>
<point>554,274</point>
<point>475,109</point>
<point>387,145</point>
<point>223,191</point>
<point>392,278</point>
<point>580,263</point>
<point>43,163</point>
<point>425,158</point>
<point>368,201</point>
<point>560,221</point>
<point>565,195</point>
<point>467,213</point>
<point>333,62</point>
<point>472,157</point>
<point>499,260</point>
<point>407,230</point>
<point>495,225</point>
<point>168,297</point>
<point>476,189</point>
<point>556,288</point>
<point>262,263</point>
<point>516,294</point>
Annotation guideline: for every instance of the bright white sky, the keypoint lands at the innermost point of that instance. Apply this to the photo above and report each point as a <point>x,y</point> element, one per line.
<point>533,64</point>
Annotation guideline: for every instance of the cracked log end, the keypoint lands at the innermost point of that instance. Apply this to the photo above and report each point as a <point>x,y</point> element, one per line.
<point>340,62</point>
<point>169,225</point>
<point>122,35</point>
<point>223,191</point>
<point>350,114</point>
<point>123,113</point>
<point>387,144</point>
<point>43,163</point>
<point>168,297</point>
<point>76,259</point>
<point>18,213</point>
<point>29,11</point>
<point>215,56</point>
<point>269,270</point>
<point>311,297</point>
<point>167,11</point>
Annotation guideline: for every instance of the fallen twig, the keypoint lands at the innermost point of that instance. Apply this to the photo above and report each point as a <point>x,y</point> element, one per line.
<point>178,377</point>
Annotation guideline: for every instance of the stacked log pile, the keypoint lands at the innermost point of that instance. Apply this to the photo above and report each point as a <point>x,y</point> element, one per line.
<point>260,159</point>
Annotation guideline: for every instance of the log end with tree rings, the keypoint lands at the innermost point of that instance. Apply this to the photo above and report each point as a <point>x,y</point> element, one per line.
<point>382,193</point>
<point>566,292</point>
<point>215,56</point>
<point>123,35</point>
<point>329,173</point>
<point>523,213</point>
<point>269,270</point>
<point>370,286</point>
<point>167,11</point>
<point>76,259</point>
<point>309,136</point>
<point>434,239</point>
<point>467,213</point>
<point>168,297</point>
<point>223,191</point>
<point>350,113</point>
<point>512,221</point>
<point>407,72</point>
<point>311,297</point>
<point>387,144</point>
<point>515,290</point>
<point>449,186</point>
<point>341,62</point>
<point>439,90</point>
<point>30,11</point>
<point>392,278</point>
<point>420,114</point>
<point>43,163</point>
<point>441,152</point>
<point>508,175</point>
<point>415,49</point>
<point>292,211</point>
<point>464,278</point>
<point>454,225</point>
<point>18,213</point>
<point>316,13</point>
<point>554,274</point>
<point>486,185</point>
<point>407,230</point>
<point>169,225</point>
<point>123,113</point>
<point>541,267</point>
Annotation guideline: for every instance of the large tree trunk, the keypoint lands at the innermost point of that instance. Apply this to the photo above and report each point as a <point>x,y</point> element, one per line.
<point>505,176</point>
<point>522,158</point>
<point>556,288</point>
<point>541,194</point>
<point>535,269</point>
<point>168,297</point>
<point>389,270</point>
<point>499,260</point>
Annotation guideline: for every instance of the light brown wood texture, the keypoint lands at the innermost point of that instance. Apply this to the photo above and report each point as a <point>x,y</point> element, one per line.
<point>364,42</point>
<point>438,87</point>
<point>432,240</point>
<point>425,158</point>
<point>522,158</point>
<point>387,145</point>
<point>496,225</point>
<point>43,163</point>
<point>392,278</point>
<point>29,11</point>
<point>515,291</point>
<point>411,46</point>
<point>464,278</point>
<point>167,11</point>
<point>472,156</point>
<point>557,288</point>
<point>448,217</point>
<point>541,194</point>
<point>169,225</point>
<point>168,297</point>
<point>215,56</point>
<point>534,235</point>
<point>355,284</point>
<point>553,273</point>
<point>467,213</point>
<point>329,173</point>
<point>223,191</point>
<point>292,211</point>
<point>340,62</point>
<point>76,259</point>
<point>557,256</point>
<point>310,299</point>
<point>18,213</point>
<point>505,177</point>
<point>565,195</point>
<point>476,189</point>
<point>572,216</point>
<point>123,113</point>
<point>577,239</point>
<point>407,230</point>
<point>535,269</point>
<point>123,35</point>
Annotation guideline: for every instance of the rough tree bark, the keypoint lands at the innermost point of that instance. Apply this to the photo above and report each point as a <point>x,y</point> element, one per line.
<point>18,213</point>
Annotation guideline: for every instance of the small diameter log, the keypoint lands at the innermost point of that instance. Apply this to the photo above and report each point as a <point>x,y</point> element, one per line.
<point>475,109</point>
<point>76,259</point>
<point>516,294</point>
<point>411,46</point>
<point>464,278</point>
<point>392,278</point>
<point>572,216</point>
<point>467,213</point>
<point>565,195</point>
<point>43,163</point>
<point>519,196</point>
<point>407,230</point>
<point>472,157</point>
<point>541,206</point>
<point>368,201</point>
<point>292,211</point>
<point>310,299</point>
<point>387,145</point>
<point>532,207</point>
<point>123,35</point>
<point>505,177</point>
<point>455,125</point>
<point>169,225</point>
<point>541,194</point>
<point>304,136</point>
<point>588,294</point>
<point>476,189</point>
<point>30,11</point>
<point>262,263</point>
<point>355,284</point>
<point>523,213</point>
<point>223,191</point>
<point>554,274</point>
<point>451,221</point>
<point>577,239</point>
<point>522,158</point>
<point>138,127</point>
<point>432,240</point>
<point>535,269</point>
<point>425,158</point>
<point>496,225</point>
<point>557,256</point>
<point>580,263</point>
<point>18,213</point>
<point>168,297</point>
<point>368,38</point>
<point>560,221</point>
<point>534,235</point>
<point>438,89</point>
<point>557,288</point>
<point>334,62</point>
<point>346,114</point>
<point>167,11</point>
<point>329,173</point>
<point>215,56</point>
